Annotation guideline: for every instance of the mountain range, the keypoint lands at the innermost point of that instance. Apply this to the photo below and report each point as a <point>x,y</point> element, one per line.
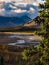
<point>13,14</point>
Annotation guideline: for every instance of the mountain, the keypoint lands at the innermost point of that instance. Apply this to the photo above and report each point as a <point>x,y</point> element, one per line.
<point>13,14</point>
<point>13,21</point>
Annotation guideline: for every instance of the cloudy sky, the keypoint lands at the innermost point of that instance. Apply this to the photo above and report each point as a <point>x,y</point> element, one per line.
<point>20,0</point>
<point>18,10</point>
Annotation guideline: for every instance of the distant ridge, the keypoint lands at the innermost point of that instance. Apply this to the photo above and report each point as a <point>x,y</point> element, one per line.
<point>13,21</point>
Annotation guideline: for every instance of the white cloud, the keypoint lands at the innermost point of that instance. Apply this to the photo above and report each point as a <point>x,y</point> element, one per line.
<point>32,9</point>
<point>41,1</point>
<point>12,6</point>
<point>19,11</point>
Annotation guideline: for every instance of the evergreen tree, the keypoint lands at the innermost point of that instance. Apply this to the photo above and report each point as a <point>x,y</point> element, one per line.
<point>43,48</point>
<point>44,45</point>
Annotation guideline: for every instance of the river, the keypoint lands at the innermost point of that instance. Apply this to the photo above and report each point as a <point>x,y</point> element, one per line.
<point>19,39</point>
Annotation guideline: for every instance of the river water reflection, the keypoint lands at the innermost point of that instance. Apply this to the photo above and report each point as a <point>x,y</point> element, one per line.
<point>19,39</point>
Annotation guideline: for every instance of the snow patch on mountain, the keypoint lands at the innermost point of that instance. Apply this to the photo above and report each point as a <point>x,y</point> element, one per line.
<point>13,14</point>
<point>13,9</point>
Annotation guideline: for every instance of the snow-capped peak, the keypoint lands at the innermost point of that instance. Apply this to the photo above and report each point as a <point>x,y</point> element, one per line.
<point>15,8</point>
<point>14,13</point>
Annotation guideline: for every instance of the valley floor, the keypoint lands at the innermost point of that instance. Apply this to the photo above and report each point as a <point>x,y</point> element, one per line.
<point>12,44</point>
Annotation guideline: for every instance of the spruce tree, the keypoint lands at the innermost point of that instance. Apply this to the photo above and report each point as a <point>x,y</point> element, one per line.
<point>44,45</point>
<point>43,48</point>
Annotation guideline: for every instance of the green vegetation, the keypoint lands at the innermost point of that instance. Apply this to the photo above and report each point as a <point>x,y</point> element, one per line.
<point>44,45</point>
<point>43,48</point>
